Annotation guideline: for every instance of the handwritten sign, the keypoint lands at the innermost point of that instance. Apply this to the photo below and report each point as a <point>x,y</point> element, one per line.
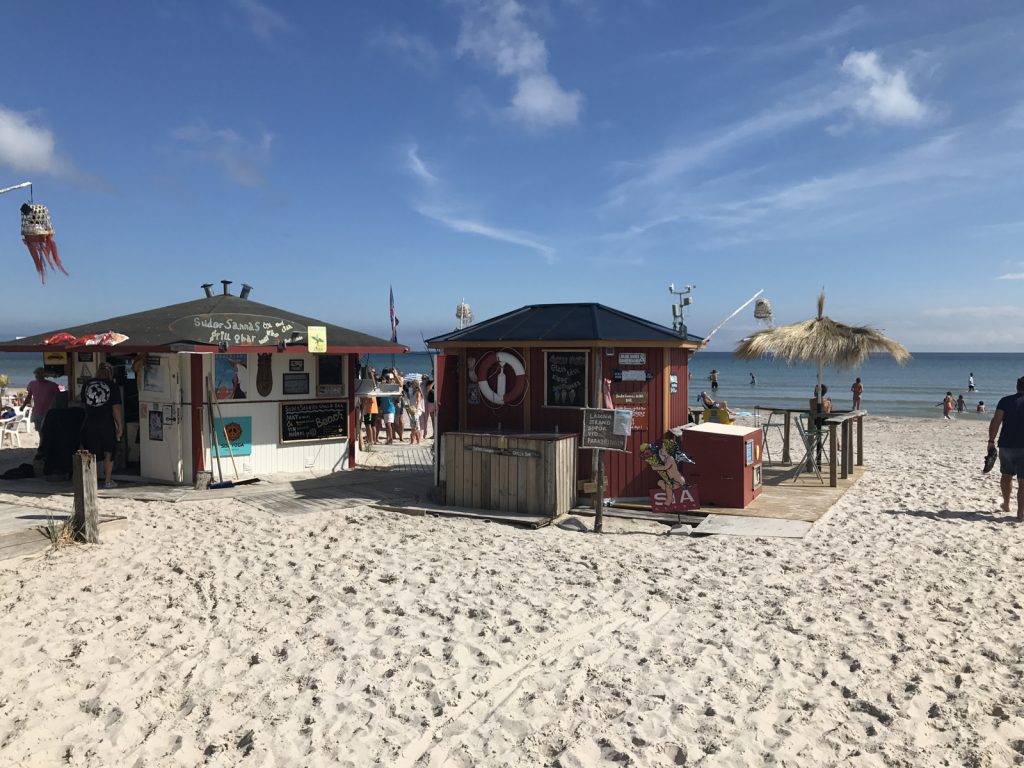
<point>236,330</point>
<point>565,379</point>
<point>635,402</point>
<point>605,428</point>
<point>319,420</point>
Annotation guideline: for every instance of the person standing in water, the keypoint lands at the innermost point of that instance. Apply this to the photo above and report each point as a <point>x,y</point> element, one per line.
<point>970,381</point>
<point>714,379</point>
<point>753,379</point>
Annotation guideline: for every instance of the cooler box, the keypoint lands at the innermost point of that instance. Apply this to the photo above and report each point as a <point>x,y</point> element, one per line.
<point>727,472</point>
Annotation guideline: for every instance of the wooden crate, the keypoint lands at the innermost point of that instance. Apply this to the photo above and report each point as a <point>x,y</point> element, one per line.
<point>529,474</point>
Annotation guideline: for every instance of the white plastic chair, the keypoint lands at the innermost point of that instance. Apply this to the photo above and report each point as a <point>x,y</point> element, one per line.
<point>10,430</point>
<point>26,421</point>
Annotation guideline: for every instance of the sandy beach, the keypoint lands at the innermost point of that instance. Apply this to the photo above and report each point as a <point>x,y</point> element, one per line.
<point>215,633</point>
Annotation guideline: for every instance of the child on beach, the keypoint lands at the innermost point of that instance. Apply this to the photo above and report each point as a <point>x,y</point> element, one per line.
<point>981,406</point>
<point>948,404</point>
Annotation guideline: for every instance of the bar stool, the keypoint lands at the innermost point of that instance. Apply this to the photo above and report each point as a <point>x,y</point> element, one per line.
<point>777,421</point>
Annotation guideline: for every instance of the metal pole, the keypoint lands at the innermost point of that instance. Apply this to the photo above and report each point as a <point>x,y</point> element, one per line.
<point>16,186</point>
<point>599,506</point>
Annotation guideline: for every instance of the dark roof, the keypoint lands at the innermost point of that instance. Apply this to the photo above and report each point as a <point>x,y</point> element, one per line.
<point>564,322</point>
<point>152,329</point>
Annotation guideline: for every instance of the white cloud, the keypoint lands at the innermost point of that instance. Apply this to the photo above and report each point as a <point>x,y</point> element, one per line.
<point>263,21</point>
<point>27,147</point>
<point>417,167</point>
<point>416,50</point>
<point>242,160</point>
<point>495,34</point>
<point>882,95</point>
<point>1012,276</point>
<point>540,102</point>
<point>485,230</point>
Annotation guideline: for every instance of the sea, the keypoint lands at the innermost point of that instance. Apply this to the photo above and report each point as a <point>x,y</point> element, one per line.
<point>915,388</point>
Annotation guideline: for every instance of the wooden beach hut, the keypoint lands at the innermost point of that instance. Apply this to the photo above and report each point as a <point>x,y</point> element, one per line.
<point>516,385</point>
<point>275,389</point>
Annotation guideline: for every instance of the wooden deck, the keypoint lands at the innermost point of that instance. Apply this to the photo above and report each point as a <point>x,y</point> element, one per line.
<point>23,529</point>
<point>786,495</point>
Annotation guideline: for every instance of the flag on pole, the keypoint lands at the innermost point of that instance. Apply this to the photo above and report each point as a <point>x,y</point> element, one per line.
<point>394,318</point>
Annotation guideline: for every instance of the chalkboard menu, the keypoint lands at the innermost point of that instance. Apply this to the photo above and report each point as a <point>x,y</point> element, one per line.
<point>605,428</point>
<point>318,420</point>
<point>565,379</point>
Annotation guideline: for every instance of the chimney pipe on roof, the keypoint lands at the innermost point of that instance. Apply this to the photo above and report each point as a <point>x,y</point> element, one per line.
<point>226,283</point>
<point>207,287</point>
<point>246,288</point>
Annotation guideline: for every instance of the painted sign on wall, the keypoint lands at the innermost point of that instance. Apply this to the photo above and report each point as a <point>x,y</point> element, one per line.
<point>238,431</point>
<point>236,330</point>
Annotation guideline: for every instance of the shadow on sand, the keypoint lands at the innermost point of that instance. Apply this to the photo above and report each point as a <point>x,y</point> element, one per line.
<point>953,515</point>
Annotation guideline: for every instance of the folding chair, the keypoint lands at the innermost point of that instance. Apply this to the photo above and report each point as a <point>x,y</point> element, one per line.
<point>810,440</point>
<point>777,421</point>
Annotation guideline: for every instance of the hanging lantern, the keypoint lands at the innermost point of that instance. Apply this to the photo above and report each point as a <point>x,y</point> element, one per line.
<point>763,310</point>
<point>37,232</point>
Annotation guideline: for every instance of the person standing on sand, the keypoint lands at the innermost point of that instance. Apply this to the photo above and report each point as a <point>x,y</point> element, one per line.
<point>970,381</point>
<point>858,389</point>
<point>1008,423</point>
<point>104,419</point>
<point>41,394</point>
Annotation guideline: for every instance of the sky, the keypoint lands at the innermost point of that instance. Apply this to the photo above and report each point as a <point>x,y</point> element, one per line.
<point>508,153</point>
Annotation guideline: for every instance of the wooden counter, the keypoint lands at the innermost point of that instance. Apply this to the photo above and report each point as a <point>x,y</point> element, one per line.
<point>533,473</point>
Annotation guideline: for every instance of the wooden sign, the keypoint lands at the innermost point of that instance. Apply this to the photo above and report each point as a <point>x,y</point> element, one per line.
<point>318,420</point>
<point>635,402</point>
<point>565,379</point>
<point>605,428</point>
<point>237,330</point>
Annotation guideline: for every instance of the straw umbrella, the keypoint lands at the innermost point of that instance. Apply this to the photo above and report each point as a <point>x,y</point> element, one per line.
<point>820,340</point>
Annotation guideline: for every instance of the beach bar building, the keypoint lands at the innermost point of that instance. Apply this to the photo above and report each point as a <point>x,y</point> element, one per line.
<point>512,390</point>
<point>222,377</point>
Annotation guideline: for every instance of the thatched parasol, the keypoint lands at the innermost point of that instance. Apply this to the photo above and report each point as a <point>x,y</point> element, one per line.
<point>820,340</point>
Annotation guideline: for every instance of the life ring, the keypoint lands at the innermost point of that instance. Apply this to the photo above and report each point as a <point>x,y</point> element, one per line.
<point>494,363</point>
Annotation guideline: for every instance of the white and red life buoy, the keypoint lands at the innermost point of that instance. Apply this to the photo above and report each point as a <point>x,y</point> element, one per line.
<point>501,377</point>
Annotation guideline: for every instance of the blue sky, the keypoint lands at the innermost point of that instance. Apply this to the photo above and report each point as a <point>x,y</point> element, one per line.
<point>509,153</point>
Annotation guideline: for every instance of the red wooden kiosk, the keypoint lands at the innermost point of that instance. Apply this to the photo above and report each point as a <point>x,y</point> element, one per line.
<point>532,371</point>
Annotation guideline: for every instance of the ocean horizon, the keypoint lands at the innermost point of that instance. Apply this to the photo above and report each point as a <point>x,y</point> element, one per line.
<point>913,389</point>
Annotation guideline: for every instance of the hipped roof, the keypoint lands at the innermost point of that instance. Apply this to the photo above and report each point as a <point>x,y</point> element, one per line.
<point>150,331</point>
<point>565,323</point>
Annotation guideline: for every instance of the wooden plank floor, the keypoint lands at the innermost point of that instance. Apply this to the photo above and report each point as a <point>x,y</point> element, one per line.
<point>783,499</point>
<point>23,529</point>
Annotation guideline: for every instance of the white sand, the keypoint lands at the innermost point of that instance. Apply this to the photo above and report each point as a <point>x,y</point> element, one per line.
<point>891,636</point>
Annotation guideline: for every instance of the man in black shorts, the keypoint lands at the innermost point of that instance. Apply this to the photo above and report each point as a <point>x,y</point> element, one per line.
<point>1010,416</point>
<point>104,419</point>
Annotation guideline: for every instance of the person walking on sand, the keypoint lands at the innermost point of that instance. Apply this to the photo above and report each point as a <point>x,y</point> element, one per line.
<point>970,381</point>
<point>858,389</point>
<point>714,379</point>
<point>948,404</point>
<point>1008,424</point>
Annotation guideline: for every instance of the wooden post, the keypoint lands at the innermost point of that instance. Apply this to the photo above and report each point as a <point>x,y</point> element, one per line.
<point>599,505</point>
<point>785,441</point>
<point>860,440</point>
<point>85,522</point>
